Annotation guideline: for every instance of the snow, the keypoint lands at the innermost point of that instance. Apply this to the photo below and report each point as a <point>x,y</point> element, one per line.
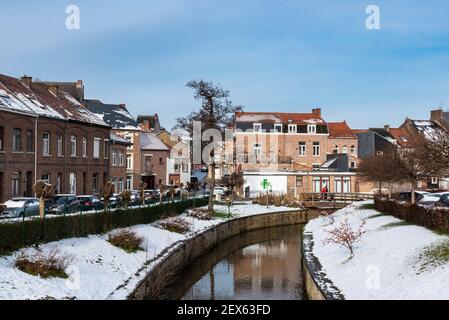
<point>388,260</point>
<point>101,270</point>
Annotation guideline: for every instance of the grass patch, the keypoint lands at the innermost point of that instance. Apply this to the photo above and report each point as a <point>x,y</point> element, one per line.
<point>126,239</point>
<point>368,206</point>
<point>397,224</point>
<point>376,216</point>
<point>50,265</point>
<point>223,215</point>
<point>434,256</point>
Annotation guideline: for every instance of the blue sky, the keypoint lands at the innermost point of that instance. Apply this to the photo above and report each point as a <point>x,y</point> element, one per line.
<point>272,55</point>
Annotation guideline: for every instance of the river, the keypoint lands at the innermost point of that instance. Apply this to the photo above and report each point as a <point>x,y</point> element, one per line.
<point>259,265</point>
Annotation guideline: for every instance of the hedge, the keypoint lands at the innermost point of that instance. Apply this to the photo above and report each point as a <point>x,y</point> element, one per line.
<point>14,236</point>
<point>433,218</point>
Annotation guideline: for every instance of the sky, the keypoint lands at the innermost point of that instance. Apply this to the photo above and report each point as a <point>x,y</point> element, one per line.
<point>288,55</point>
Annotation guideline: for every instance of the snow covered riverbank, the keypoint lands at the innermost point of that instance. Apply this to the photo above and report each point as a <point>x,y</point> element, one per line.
<point>101,270</point>
<point>392,260</point>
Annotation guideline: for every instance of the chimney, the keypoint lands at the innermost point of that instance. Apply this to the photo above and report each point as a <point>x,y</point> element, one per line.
<point>317,112</point>
<point>436,115</point>
<point>387,127</point>
<point>80,90</point>
<point>54,89</point>
<point>28,81</point>
<point>122,106</point>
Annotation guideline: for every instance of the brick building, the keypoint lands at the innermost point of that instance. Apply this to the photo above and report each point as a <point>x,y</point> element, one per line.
<point>295,153</point>
<point>124,125</point>
<point>118,162</point>
<point>47,134</point>
<point>154,157</point>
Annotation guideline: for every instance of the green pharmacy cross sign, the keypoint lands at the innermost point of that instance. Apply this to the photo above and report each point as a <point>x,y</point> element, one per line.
<point>265,184</point>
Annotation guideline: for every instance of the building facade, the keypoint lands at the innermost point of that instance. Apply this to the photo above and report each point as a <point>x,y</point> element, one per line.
<point>46,134</point>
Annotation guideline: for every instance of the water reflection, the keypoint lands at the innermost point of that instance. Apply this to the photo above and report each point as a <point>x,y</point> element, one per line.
<point>263,264</point>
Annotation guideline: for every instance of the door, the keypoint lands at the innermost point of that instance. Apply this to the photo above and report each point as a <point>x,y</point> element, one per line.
<point>174,179</point>
<point>29,184</point>
<point>149,181</point>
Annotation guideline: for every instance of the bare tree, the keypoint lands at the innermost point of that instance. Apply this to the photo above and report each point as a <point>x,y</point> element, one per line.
<point>434,152</point>
<point>216,112</point>
<point>344,235</point>
<point>375,169</point>
<point>43,191</point>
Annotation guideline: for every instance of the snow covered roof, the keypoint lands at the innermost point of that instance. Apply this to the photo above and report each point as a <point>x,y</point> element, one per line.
<point>115,115</point>
<point>426,127</point>
<point>39,100</point>
<point>279,117</point>
<point>149,141</point>
<point>117,139</point>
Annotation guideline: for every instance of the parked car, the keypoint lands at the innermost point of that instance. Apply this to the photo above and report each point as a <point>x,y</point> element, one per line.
<point>89,203</point>
<point>64,203</point>
<point>433,199</point>
<point>152,196</point>
<point>407,196</point>
<point>20,207</point>
<point>444,201</point>
<point>220,191</point>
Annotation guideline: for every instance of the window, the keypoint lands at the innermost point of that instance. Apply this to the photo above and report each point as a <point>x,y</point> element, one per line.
<point>73,146</point>
<point>161,160</point>
<point>30,141</point>
<point>257,127</point>
<point>353,150</point>
<point>292,128</point>
<point>97,148</point>
<point>120,185</point>
<point>299,182</point>
<point>15,184</point>
<point>129,162</point>
<point>319,183</point>
<point>433,180</point>
<point>129,182</point>
<point>311,128</point>
<point>59,145</point>
<point>95,183</point>
<point>121,159</point>
<point>316,149</point>
<point>258,149</point>
<point>278,128</point>
<point>46,144</point>
<point>185,167</point>
<point>177,166</point>
<point>46,178</point>
<point>84,147</point>
<point>352,165</point>
<point>342,184</point>
<point>336,150</point>
<point>114,157</point>
<point>344,150</point>
<point>106,149</point>
<point>72,182</point>
<point>129,138</point>
<point>16,140</point>
<point>1,139</point>
<point>379,153</point>
<point>302,149</point>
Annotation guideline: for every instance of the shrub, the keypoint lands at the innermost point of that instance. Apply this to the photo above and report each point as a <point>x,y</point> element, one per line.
<point>200,214</point>
<point>175,224</point>
<point>432,218</point>
<point>52,264</point>
<point>344,235</point>
<point>126,239</point>
<point>14,236</point>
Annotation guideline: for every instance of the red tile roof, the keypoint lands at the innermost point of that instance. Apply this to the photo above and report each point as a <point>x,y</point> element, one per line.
<point>340,130</point>
<point>279,117</point>
<point>401,136</point>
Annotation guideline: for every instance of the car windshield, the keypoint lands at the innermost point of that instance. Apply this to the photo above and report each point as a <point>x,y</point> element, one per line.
<point>14,203</point>
<point>60,200</point>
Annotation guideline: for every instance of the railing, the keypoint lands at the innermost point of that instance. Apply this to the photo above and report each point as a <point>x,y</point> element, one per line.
<point>335,197</point>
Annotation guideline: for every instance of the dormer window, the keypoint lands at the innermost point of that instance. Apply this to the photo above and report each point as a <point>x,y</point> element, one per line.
<point>311,128</point>
<point>292,128</point>
<point>278,128</point>
<point>257,127</point>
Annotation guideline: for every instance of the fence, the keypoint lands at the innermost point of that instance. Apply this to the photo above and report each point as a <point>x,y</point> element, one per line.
<point>16,235</point>
<point>335,197</point>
